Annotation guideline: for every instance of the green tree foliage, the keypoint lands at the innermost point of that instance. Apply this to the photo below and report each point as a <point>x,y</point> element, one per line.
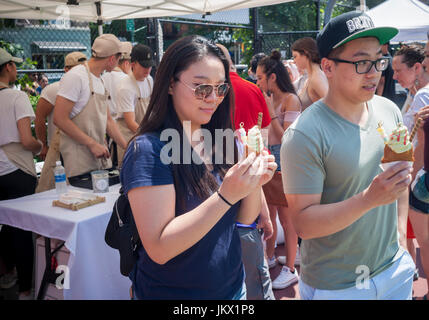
<point>16,50</point>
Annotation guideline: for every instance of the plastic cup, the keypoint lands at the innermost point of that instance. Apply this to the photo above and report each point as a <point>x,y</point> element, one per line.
<point>100,181</point>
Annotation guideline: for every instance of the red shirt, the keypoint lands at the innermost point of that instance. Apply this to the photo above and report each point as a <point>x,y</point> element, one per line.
<point>249,101</point>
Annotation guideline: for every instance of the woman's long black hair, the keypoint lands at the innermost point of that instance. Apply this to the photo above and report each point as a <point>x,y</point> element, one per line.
<point>273,64</point>
<point>192,178</point>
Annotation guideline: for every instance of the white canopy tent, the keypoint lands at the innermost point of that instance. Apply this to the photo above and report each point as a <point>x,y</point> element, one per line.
<point>411,17</point>
<point>86,10</point>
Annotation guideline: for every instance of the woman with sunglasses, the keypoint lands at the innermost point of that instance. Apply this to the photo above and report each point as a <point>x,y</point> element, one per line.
<point>185,207</point>
<point>408,71</point>
<point>306,57</point>
<point>284,107</point>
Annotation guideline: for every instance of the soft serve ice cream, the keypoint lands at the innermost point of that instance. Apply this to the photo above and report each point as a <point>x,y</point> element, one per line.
<point>398,146</point>
<point>254,140</point>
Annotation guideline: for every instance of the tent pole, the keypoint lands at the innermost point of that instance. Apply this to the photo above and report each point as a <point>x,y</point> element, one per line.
<point>328,11</point>
<point>99,19</point>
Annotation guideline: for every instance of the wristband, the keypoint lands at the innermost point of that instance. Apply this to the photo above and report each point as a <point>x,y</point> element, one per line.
<point>226,201</point>
<point>274,118</point>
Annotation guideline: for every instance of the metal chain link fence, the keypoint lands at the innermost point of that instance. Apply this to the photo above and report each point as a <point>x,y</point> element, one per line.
<point>43,44</point>
<point>283,40</point>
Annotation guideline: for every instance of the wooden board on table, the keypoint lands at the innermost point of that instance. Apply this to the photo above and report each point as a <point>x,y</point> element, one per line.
<point>79,205</point>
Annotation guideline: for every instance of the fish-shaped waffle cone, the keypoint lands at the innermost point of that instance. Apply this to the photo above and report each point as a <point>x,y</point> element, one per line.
<point>390,155</point>
<point>248,150</point>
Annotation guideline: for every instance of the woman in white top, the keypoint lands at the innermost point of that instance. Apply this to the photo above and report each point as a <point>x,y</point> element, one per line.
<point>408,71</point>
<point>411,69</point>
<point>17,175</point>
<point>306,57</point>
<point>284,107</point>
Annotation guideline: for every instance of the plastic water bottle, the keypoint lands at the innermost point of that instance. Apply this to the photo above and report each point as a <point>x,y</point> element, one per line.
<point>60,178</point>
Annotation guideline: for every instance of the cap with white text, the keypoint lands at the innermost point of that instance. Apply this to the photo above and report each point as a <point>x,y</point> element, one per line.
<point>350,26</point>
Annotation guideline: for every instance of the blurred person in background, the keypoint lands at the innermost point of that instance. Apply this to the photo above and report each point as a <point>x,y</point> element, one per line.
<point>17,175</point>
<point>306,57</point>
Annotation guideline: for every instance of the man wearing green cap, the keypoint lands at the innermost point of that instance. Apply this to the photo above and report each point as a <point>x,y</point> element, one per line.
<point>17,174</point>
<point>344,206</point>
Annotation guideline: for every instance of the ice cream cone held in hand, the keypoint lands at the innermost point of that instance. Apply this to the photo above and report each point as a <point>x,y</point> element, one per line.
<point>398,146</point>
<point>253,142</point>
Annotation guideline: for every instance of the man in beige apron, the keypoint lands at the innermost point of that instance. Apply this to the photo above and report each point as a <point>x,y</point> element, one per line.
<point>46,103</point>
<point>82,113</point>
<point>133,94</point>
<point>112,80</point>
<point>17,175</point>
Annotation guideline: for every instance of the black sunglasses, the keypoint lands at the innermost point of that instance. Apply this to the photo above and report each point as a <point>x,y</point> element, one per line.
<point>364,66</point>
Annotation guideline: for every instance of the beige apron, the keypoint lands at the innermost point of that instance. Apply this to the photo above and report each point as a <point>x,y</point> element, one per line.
<point>15,152</point>
<point>139,112</point>
<point>92,120</point>
<point>20,157</point>
<point>47,178</point>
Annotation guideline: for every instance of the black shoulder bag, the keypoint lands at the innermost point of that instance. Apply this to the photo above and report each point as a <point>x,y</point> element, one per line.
<point>121,233</point>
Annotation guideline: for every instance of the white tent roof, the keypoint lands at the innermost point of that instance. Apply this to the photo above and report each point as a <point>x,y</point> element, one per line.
<point>411,17</point>
<point>120,9</point>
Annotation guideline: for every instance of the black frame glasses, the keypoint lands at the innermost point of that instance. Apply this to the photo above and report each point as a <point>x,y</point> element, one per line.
<point>203,91</point>
<point>364,66</point>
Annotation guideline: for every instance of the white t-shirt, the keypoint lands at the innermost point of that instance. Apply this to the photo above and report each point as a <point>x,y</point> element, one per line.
<point>111,80</point>
<point>49,93</point>
<point>415,103</point>
<point>74,86</point>
<point>126,94</point>
<point>15,105</point>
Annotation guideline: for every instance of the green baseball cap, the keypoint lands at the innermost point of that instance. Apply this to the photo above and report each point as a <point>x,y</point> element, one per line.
<point>6,57</point>
<point>349,26</point>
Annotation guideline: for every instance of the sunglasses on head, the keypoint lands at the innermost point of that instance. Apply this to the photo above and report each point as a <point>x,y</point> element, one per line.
<point>203,91</point>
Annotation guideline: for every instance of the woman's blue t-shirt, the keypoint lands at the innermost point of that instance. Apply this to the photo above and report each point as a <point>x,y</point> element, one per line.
<point>210,269</point>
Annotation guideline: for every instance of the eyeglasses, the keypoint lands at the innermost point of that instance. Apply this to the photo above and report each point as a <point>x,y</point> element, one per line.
<point>364,66</point>
<point>203,91</point>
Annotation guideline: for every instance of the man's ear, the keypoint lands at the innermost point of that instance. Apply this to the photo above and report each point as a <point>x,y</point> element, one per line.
<point>418,67</point>
<point>327,66</point>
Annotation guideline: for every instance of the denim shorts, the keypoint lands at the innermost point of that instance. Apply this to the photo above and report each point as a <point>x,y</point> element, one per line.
<point>275,151</point>
<point>241,294</point>
<point>419,195</point>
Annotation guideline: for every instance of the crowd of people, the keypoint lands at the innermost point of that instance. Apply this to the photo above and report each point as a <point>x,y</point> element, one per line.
<point>209,228</point>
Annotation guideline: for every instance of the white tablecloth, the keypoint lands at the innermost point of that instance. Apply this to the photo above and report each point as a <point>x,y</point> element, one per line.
<point>93,265</point>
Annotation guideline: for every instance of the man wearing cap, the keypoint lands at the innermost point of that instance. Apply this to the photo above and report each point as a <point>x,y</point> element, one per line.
<point>133,93</point>
<point>17,174</point>
<point>82,114</point>
<point>112,79</point>
<point>344,206</point>
<point>46,103</point>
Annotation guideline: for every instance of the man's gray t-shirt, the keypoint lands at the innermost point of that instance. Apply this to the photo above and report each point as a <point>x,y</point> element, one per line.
<point>323,153</point>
